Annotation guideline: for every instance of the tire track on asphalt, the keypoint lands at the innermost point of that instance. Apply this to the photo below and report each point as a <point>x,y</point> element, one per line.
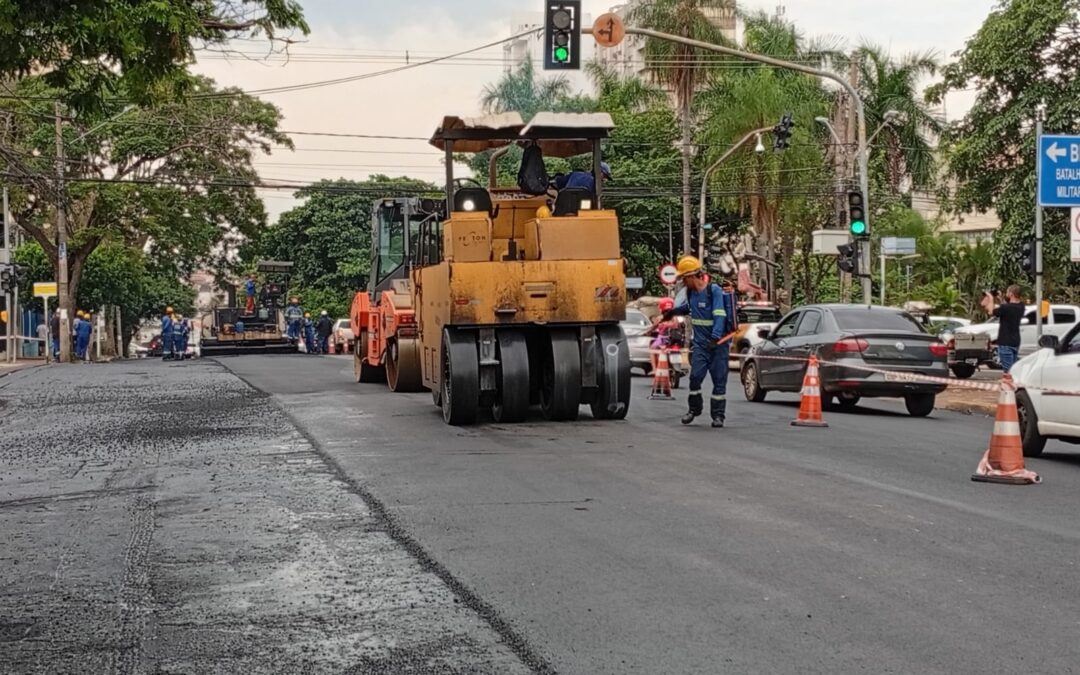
<point>134,592</point>
<point>515,641</point>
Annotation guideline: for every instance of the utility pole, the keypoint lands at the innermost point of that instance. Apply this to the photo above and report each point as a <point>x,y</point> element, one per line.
<point>5,259</point>
<point>64,300</point>
<point>1040,118</point>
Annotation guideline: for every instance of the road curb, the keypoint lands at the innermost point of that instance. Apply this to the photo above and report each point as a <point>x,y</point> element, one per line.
<point>4,372</point>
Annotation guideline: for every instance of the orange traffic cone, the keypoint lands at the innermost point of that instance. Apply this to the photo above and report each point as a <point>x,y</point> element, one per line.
<point>810,405</point>
<point>661,384</point>
<point>1003,462</point>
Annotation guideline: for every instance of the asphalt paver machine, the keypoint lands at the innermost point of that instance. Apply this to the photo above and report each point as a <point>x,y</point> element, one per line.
<point>236,331</point>
<point>500,300</point>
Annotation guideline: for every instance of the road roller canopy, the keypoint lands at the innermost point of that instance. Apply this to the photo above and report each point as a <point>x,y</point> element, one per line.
<point>557,134</point>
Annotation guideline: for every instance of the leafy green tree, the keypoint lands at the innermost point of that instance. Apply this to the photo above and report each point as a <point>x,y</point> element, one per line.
<point>1025,54</point>
<point>328,237</point>
<point>680,68</point>
<point>116,275</point>
<point>96,49</point>
<point>175,180</point>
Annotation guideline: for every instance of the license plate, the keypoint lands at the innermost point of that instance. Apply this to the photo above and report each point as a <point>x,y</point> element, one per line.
<point>972,362</point>
<point>675,358</point>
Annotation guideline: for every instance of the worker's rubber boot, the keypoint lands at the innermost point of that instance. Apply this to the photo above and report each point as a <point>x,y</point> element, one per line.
<point>718,422</point>
<point>688,418</point>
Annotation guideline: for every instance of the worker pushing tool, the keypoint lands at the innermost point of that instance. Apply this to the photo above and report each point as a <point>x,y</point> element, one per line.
<point>712,315</point>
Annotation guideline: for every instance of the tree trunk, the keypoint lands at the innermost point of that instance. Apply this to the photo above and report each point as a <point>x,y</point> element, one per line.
<point>684,114</point>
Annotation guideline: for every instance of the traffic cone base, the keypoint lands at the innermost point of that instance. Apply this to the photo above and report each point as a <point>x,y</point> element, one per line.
<point>1003,461</point>
<point>661,387</point>
<point>810,404</point>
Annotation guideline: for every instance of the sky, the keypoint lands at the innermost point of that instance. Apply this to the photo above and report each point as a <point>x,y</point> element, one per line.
<point>352,37</point>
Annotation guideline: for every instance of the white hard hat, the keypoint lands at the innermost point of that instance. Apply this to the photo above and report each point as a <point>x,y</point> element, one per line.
<point>324,312</point>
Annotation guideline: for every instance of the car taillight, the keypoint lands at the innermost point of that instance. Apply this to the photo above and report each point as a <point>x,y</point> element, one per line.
<point>951,344</point>
<point>851,345</point>
<point>939,349</point>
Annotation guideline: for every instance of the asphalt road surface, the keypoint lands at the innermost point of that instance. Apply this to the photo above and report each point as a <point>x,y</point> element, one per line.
<point>166,518</point>
<point>171,518</point>
<point>645,547</point>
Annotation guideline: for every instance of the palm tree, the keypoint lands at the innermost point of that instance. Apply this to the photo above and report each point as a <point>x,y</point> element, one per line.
<point>893,85</point>
<point>621,94</point>
<point>775,189</point>
<point>679,67</point>
<point>522,91</point>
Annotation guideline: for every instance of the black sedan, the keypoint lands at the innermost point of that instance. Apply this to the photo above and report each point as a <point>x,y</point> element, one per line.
<point>844,336</point>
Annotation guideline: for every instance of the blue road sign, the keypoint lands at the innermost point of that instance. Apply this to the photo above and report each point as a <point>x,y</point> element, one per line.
<point>1059,171</point>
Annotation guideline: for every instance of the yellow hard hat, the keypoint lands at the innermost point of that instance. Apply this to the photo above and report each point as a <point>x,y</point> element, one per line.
<point>543,212</point>
<point>688,265</point>
<point>307,315</point>
<point>168,310</point>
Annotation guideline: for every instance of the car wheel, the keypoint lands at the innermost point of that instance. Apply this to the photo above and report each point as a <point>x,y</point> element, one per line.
<point>920,405</point>
<point>751,383</point>
<point>1032,441</point>
<point>963,370</point>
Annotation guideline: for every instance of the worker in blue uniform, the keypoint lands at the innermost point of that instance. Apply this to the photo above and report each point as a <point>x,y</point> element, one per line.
<point>83,329</point>
<point>179,341</point>
<point>185,335</point>
<point>580,179</point>
<point>168,331</point>
<point>712,315</point>
<point>249,291</point>
<point>294,319</point>
<point>309,334</point>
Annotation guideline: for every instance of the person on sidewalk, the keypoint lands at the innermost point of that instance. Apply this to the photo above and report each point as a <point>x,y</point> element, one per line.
<point>54,328</point>
<point>43,335</point>
<point>323,329</point>
<point>1009,315</point>
<point>712,315</point>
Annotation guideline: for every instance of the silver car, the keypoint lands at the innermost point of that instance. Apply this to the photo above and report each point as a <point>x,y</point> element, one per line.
<point>634,326</point>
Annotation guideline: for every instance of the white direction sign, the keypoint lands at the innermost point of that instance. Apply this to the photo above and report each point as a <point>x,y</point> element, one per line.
<point>669,275</point>
<point>1074,235</point>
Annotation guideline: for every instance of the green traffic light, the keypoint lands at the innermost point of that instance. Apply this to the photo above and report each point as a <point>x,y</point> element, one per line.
<point>858,228</point>
<point>562,54</point>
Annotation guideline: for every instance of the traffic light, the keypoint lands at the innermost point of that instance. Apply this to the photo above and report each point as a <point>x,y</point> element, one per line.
<point>1027,256</point>
<point>562,35</point>
<point>782,133</point>
<point>857,215</point>
<point>849,258</point>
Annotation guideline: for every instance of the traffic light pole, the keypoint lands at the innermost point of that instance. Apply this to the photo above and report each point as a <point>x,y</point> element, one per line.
<point>1040,117</point>
<point>860,113</point>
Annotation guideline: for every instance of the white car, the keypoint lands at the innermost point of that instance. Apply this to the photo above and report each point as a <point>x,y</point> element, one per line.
<point>344,341</point>
<point>1046,414</point>
<point>1060,319</point>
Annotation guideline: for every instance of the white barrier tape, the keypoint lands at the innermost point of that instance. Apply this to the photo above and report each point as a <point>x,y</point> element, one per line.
<point>894,376</point>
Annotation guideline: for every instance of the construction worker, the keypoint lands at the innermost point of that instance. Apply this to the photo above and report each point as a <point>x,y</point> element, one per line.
<point>179,343</point>
<point>168,330</point>
<point>580,179</point>
<point>83,328</point>
<point>323,328</point>
<point>294,317</point>
<point>185,336</point>
<point>712,315</point>
<point>309,334</point>
<point>249,289</point>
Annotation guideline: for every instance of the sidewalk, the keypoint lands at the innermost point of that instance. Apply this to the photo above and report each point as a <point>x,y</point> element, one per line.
<point>966,400</point>
<point>21,364</point>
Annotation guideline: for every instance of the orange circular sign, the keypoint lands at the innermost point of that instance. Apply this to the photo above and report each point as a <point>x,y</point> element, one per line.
<point>608,30</point>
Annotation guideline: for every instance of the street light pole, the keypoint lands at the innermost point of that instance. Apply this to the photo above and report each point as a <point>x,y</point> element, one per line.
<point>860,113</point>
<point>705,184</point>
<point>1040,117</point>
